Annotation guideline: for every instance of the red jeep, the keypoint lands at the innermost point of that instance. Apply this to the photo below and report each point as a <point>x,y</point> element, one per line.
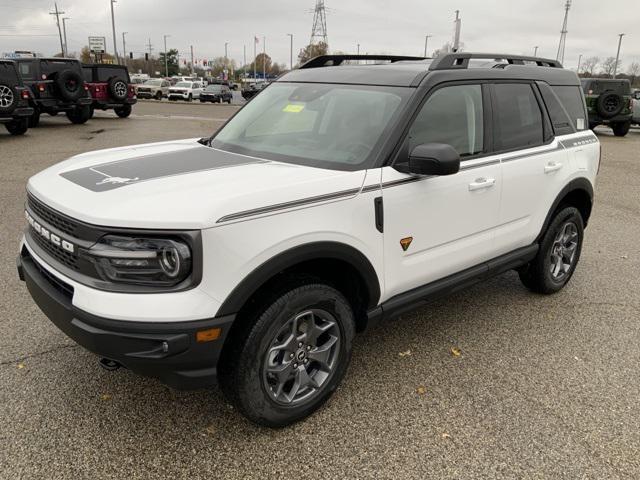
<point>110,88</point>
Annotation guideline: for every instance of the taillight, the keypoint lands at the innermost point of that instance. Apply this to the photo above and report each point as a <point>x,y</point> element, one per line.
<point>41,87</point>
<point>86,87</point>
<point>25,94</point>
<point>97,89</point>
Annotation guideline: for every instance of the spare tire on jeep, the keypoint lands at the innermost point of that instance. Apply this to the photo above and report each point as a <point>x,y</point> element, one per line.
<point>69,84</point>
<point>609,104</point>
<point>8,98</point>
<point>118,88</point>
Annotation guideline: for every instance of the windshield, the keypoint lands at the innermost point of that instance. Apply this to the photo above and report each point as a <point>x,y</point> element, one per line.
<point>155,83</point>
<point>183,84</point>
<point>213,88</point>
<point>327,126</point>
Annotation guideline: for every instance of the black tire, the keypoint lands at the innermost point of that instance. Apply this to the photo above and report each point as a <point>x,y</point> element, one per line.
<point>53,114</point>
<point>34,119</point>
<point>124,111</point>
<point>620,129</point>
<point>242,370</point>
<point>18,126</point>
<point>8,98</point>
<point>118,89</point>
<point>190,99</point>
<point>79,115</point>
<point>69,84</point>
<point>538,275</point>
<point>158,95</point>
<point>609,104</point>
<point>91,111</point>
<point>202,100</point>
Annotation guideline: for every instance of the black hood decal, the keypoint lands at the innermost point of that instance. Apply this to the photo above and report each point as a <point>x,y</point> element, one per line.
<point>107,176</point>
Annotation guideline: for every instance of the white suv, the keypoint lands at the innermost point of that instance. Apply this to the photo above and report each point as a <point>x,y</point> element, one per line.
<point>338,197</point>
<point>185,91</point>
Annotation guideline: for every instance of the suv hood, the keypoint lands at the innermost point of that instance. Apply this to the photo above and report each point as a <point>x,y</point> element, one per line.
<point>177,185</point>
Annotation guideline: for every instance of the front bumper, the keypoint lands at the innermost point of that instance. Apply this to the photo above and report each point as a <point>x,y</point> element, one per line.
<point>167,351</point>
<point>146,94</point>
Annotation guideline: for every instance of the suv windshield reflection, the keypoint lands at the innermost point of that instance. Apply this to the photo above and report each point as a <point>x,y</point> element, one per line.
<point>328,126</point>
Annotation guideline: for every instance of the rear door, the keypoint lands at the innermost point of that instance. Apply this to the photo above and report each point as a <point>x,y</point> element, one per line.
<point>448,220</point>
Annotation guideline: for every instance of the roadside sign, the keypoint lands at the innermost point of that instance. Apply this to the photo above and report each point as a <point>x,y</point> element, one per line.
<point>98,45</point>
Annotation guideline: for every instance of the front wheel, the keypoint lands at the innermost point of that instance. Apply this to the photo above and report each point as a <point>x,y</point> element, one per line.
<point>18,126</point>
<point>621,129</point>
<point>558,255</point>
<point>286,362</point>
<point>190,99</point>
<point>158,95</point>
<point>123,111</point>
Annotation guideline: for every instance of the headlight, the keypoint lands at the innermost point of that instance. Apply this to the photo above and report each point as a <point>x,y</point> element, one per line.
<point>141,261</point>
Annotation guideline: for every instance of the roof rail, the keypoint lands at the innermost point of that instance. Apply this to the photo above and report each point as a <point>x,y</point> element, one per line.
<point>460,60</point>
<point>335,60</point>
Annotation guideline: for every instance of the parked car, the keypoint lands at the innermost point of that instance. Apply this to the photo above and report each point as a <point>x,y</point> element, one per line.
<point>110,88</point>
<point>608,103</point>
<point>635,117</point>
<point>157,88</point>
<point>216,94</point>
<point>253,89</point>
<point>185,91</point>
<point>14,99</point>
<point>56,85</point>
<point>338,198</point>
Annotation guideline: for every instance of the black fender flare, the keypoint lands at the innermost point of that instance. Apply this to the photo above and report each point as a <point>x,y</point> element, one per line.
<point>294,256</point>
<point>575,184</point>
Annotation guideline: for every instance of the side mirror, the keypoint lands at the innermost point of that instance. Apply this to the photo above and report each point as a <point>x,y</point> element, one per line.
<point>431,159</point>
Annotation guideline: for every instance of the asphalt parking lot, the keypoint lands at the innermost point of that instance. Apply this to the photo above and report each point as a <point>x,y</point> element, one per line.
<point>543,387</point>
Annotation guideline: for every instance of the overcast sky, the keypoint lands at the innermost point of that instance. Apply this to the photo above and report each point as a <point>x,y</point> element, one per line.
<point>396,27</point>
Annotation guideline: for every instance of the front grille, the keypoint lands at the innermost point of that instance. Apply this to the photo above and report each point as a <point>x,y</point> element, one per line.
<point>53,218</point>
<point>66,258</point>
<point>59,285</point>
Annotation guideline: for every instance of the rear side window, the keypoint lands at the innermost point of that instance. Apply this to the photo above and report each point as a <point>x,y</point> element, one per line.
<point>451,115</point>
<point>27,72</point>
<point>562,124</point>
<point>518,120</point>
<point>573,102</point>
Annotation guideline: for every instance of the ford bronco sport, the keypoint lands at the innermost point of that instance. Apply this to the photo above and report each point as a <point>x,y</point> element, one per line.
<point>14,100</point>
<point>341,196</point>
<point>56,86</point>
<point>609,103</point>
<point>110,88</point>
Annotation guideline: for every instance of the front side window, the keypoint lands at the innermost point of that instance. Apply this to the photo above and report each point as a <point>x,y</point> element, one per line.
<point>321,125</point>
<point>451,115</point>
<point>518,120</point>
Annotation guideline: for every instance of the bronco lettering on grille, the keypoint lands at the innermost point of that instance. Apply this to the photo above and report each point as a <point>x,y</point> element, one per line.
<point>48,235</point>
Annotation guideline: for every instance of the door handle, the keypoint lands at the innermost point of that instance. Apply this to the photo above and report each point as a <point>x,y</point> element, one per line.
<point>552,167</point>
<point>481,183</point>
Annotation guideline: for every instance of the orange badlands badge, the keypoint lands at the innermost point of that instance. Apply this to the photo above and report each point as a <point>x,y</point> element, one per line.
<point>405,242</point>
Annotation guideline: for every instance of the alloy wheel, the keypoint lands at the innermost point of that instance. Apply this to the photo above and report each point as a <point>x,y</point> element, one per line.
<point>302,357</point>
<point>563,251</point>
<point>6,96</point>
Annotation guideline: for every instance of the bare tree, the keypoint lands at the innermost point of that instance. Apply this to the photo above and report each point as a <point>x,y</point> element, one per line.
<point>609,66</point>
<point>311,51</point>
<point>633,71</point>
<point>589,65</point>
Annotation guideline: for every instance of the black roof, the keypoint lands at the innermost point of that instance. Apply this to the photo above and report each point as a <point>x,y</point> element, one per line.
<point>45,59</point>
<point>411,73</point>
<point>6,60</point>
<point>103,65</point>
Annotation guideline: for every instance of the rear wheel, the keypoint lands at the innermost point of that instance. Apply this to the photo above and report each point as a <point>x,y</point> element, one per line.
<point>288,360</point>
<point>558,255</point>
<point>190,99</point>
<point>18,126</point>
<point>124,111</point>
<point>620,129</point>
<point>158,95</point>
<point>79,115</point>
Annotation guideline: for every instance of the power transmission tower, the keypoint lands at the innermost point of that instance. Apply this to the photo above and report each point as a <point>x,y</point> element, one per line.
<point>57,13</point>
<point>563,33</point>
<point>319,31</point>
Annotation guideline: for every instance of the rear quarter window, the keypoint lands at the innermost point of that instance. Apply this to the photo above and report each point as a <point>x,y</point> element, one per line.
<point>572,100</point>
<point>104,74</point>
<point>562,123</point>
<point>87,74</point>
<point>27,70</point>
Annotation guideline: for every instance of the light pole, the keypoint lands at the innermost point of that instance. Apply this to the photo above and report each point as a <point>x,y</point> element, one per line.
<point>65,53</point>
<point>579,61</point>
<point>615,66</point>
<point>291,50</point>
<point>124,48</point>
<point>113,26</point>
<point>535,51</point>
<point>426,42</point>
<point>166,57</point>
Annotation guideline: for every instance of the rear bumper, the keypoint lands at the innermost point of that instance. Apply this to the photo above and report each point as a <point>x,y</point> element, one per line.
<point>597,120</point>
<point>19,112</point>
<point>104,105</point>
<point>54,104</point>
<point>166,351</point>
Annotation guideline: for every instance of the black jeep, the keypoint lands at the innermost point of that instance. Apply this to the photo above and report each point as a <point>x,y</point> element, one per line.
<point>56,86</point>
<point>14,100</point>
<point>110,88</point>
<point>608,103</point>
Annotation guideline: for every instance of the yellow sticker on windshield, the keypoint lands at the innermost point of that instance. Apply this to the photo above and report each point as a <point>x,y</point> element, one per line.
<point>293,108</point>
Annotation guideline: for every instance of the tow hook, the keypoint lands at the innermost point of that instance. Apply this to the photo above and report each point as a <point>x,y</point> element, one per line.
<point>110,365</point>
